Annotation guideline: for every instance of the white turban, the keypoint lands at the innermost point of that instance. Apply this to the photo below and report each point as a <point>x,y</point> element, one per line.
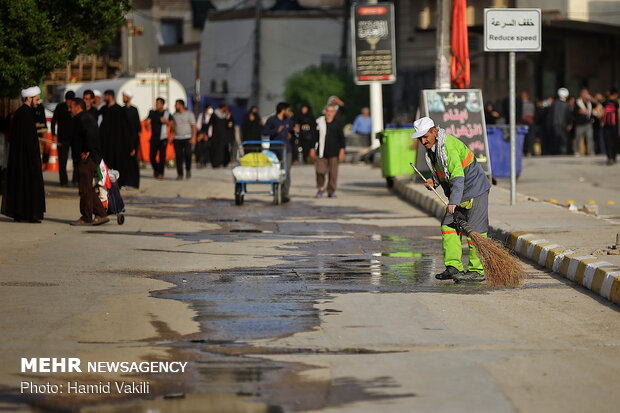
<point>563,92</point>
<point>31,92</point>
<point>97,92</point>
<point>128,93</point>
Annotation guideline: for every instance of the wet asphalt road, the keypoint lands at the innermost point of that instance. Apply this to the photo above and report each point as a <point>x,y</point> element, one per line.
<point>323,250</point>
<point>319,304</point>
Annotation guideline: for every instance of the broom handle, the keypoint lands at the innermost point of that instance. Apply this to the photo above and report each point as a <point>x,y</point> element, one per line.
<point>424,179</point>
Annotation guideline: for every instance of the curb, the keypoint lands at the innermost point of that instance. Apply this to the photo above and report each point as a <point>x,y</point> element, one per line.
<point>598,276</point>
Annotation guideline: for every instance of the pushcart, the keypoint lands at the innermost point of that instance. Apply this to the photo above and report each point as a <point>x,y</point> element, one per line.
<point>116,205</point>
<point>273,174</point>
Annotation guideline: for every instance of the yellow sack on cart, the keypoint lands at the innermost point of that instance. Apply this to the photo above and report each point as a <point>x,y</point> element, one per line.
<point>255,159</point>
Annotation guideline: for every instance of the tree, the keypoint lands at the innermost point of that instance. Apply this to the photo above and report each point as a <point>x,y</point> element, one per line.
<point>38,36</point>
<point>314,85</point>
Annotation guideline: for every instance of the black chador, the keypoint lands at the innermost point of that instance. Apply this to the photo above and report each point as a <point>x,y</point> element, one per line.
<point>133,172</point>
<point>24,199</point>
<point>117,142</point>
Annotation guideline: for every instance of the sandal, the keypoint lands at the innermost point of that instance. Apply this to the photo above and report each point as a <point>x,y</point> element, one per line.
<point>80,222</point>
<point>100,220</point>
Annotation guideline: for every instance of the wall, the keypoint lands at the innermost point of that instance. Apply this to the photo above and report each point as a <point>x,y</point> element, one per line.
<point>287,46</point>
<point>291,45</point>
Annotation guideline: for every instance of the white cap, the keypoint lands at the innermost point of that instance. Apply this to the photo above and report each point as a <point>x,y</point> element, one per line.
<point>563,92</point>
<point>97,92</point>
<point>422,126</point>
<point>31,92</point>
<point>128,93</point>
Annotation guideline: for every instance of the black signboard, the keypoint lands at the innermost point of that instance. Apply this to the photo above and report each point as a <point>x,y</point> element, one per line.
<point>373,43</point>
<point>461,113</point>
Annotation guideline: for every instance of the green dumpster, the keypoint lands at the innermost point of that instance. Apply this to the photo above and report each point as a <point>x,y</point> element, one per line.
<point>397,150</point>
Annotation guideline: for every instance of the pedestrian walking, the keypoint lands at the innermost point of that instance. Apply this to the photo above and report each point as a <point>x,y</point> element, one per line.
<point>305,127</point>
<point>280,127</point>
<point>251,129</point>
<point>157,122</point>
<point>336,102</point>
<point>63,132</point>
<point>559,122</point>
<point>583,123</point>
<point>527,117</point>
<point>117,142</point>
<point>203,140</point>
<point>328,151</point>
<point>24,198</point>
<point>610,125</point>
<point>223,126</point>
<point>88,146</point>
<point>99,104</point>
<point>89,99</point>
<point>184,138</point>
<point>133,168</point>
<point>462,179</point>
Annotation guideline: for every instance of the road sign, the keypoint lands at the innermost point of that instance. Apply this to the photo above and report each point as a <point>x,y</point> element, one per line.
<point>373,43</point>
<point>512,30</point>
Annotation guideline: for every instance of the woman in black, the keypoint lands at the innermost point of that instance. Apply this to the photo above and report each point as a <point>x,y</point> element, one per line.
<point>305,126</point>
<point>251,130</point>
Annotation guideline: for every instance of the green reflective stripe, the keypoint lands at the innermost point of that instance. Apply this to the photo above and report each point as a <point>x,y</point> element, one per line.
<point>452,251</point>
<point>474,261</point>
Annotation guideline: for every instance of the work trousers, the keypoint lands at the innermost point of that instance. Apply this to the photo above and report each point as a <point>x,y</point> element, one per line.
<point>327,166</point>
<point>478,219</point>
<point>587,131</point>
<point>63,157</point>
<point>89,201</point>
<point>158,147</point>
<point>183,155</point>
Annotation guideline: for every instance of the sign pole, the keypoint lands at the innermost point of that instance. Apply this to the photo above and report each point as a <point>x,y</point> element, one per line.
<point>376,107</point>
<point>513,128</point>
<point>376,112</point>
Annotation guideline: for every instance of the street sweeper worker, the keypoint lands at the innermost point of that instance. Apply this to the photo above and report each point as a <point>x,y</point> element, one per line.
<point>455,168</point>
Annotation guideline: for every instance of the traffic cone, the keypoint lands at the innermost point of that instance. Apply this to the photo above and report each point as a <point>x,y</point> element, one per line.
<point>52,163</point>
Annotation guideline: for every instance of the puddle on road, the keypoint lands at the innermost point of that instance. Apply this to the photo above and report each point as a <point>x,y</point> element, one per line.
<point>236,306</point>
<point>239,305</point>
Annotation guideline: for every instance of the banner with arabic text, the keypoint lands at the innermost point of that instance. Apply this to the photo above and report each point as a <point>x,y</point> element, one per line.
<point>461,113</point>
<point>373,43</point>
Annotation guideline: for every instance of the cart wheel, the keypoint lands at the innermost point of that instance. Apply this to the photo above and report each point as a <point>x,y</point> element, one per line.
<point>390,182</point>
<point>238,194</point>
<point>238,199</point>
<point>120,218</point>
<point>277,194</point>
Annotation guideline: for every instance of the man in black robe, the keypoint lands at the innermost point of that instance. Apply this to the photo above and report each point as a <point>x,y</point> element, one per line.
<point>136,128</point>
<point>62,130</point>
<point>24,199</point>
<point>116,140</point>
<point>86,144</point>
<point>223,126</point>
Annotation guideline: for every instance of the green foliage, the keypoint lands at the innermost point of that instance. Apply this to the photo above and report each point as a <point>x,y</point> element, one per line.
<point>38,36</point>
<point>314,85</point>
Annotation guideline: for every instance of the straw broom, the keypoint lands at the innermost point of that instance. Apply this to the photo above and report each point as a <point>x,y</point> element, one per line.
<point>501,267</point>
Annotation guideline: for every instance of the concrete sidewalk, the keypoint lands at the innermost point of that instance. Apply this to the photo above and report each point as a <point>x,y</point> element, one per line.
<point>572,244</point>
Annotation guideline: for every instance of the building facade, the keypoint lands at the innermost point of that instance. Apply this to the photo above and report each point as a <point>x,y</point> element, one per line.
<point>580,47</point>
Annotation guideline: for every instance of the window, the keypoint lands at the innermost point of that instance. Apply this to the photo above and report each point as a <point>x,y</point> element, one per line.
<point>171,31</point>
